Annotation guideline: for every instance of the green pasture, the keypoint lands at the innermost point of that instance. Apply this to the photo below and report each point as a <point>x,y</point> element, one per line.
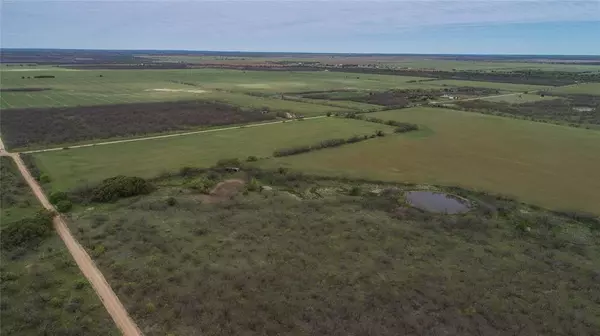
<point>99,87</point>
<point>490,85</point>
<point>69,168</point>
<point>520,98</point>
<point>585,88</point>
<point>549,165</point>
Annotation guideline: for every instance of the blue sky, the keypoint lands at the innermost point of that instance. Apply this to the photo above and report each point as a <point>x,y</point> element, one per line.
<point>423,26</point>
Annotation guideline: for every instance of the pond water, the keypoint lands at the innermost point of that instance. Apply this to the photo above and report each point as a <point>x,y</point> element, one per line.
<point>436,202</point>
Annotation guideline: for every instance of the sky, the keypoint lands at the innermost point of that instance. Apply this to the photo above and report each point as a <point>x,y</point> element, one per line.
<point>412,26</point>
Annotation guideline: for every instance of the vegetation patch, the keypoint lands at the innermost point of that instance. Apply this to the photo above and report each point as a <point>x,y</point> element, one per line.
<point>267,263</point>
<point>572,110</point>
<point>43,291</point>
<point>67,125</point>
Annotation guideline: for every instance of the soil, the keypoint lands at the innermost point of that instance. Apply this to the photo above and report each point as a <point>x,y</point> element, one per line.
<point>223,191</point>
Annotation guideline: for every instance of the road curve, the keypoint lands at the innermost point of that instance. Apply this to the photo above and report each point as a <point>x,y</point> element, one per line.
<point>87,266</point>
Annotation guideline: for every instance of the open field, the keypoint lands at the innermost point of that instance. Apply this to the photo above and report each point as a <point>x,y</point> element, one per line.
<point>43,291</point>
<point>586,88</point>
<point>489,85</point>
<point>520,98</point>
<point>553,166</point>
<point>307,258</point>
<point>69,168</point>
<point>101,87</point>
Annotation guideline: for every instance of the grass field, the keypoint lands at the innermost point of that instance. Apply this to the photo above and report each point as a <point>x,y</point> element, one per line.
<point>98,87</point>
<point>72,167</point>
<point>43,291</point>
<point>521,98</point>
<point>326,263</point>
<point>587,88</point>
<point>549,165</point>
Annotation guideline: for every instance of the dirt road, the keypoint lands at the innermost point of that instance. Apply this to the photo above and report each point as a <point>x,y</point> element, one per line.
<point>164,136</point>
<point>87,266</point>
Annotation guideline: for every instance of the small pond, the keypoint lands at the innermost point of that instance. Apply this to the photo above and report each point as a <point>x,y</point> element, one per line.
<point>436,202</point>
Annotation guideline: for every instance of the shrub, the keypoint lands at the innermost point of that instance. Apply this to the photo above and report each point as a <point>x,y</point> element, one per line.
<point>252,158</point>
<point>64,206</point>
<point>28,231</point>
<point>171,201</point>
<point>253,185</point>
<point>355,191</point>
<point>44,178</point>
<point>57,196</point>
<point>379,133</point>
<point>120,186</point>
<point>406,127</point>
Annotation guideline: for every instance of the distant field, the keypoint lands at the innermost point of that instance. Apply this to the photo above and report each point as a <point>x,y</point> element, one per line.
<point>520,98</point>
<point>490,85</point>
<point>587,88</point>
<point>101,87</point>
<point>69,168</point>
<point>549,165</point>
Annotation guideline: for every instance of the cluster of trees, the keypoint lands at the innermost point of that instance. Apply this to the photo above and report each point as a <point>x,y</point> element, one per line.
<point>64,125</point>
<point>28,231</point>
<point>325,144</point>
<point>401,127</point>
<point>111,189</point>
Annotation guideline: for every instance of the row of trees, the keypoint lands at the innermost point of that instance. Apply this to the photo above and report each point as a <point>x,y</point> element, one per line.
<point>401,127</point>
<point>325,144</point>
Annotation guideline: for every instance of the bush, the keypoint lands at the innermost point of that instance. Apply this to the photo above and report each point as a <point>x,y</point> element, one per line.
<point>44,178</point>
<point>201,185</point>
<point>253,185</point>
<point>120,186</point>
<point>355,191</point>
<point>28,231</point>
<point>171,201</point>
<point>252,158</point>
<point>64,206</point>
<point>379,133</point>
<point>57,196</point>
<point>406,127</point>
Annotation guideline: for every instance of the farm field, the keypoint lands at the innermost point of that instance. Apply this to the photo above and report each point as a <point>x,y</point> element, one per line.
<point>586,88</point>
<point>549,165</point>
<point>308,255</point>
<point>101,87</point>
<point>520,98</point>
<point>73,167</point>
<point>43,291</point>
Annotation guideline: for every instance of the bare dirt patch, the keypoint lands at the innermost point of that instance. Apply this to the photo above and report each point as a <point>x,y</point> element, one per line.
<point>223,191</point>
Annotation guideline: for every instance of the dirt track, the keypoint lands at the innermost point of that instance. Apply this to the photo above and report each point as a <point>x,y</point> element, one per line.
<point>87,266</point>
